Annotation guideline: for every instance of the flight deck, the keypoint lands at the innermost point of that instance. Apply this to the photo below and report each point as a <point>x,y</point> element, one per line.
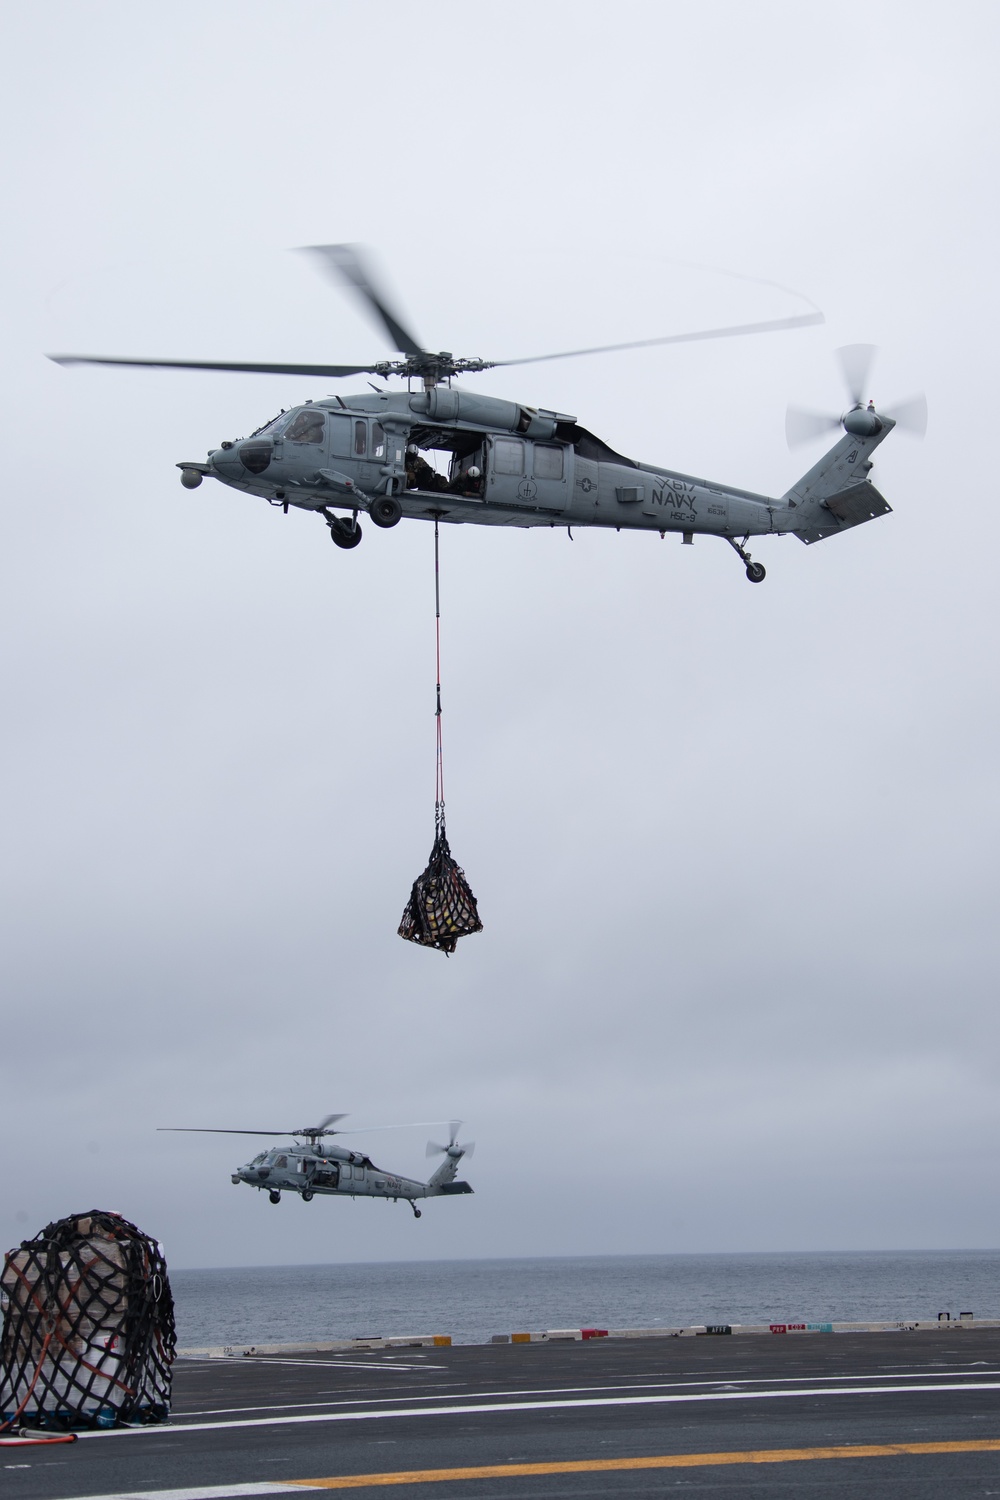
<point>914,1413</point>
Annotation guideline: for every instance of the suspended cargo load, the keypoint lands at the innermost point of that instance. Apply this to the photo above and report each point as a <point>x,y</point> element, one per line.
<point>441,908</point>
<point>88,1327</point>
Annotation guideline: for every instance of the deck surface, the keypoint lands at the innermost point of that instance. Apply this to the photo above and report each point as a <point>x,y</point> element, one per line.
<point>649,1417</point>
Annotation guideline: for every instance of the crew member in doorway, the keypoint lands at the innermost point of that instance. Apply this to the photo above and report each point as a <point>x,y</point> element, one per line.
<point>419,474</point>
<point>468,482</point>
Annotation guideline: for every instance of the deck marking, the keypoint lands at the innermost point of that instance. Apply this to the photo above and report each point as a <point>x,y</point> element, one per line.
<point>208,1491</point>
<point>553,1390</point>
<point>495,1408</point>
<point>571,1466</point>
<point>666,1461</point>
<point>332,1364</point>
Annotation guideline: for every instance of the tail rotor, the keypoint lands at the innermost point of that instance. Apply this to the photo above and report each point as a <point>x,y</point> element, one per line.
<point>855,360</point>
<point>453,1149</point>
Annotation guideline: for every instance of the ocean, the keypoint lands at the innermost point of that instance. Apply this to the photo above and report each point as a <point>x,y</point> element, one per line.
<point>474,1299</point>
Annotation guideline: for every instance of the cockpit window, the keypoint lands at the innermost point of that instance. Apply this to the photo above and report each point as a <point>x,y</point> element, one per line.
<point>282,1161</point>
<point>274,426</point>
<point>307,427</point>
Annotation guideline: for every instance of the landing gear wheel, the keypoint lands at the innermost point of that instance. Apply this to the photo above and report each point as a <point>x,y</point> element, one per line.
<point>307,1195</point>
<point>345,534</point>
<point>755,571</point>
<point>386,511</point>
<point>416,1213</point>
<point>274,1197</point>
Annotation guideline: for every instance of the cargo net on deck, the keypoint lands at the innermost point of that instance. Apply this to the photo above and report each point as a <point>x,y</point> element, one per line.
<point>88,1327</point>
<point>441,908</point>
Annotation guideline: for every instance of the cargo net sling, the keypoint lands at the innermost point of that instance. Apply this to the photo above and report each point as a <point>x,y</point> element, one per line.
<point>441,908</point>
<point>88,1327</point>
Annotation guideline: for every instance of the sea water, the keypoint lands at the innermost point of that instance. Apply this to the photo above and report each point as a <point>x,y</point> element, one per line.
<point>473,1299</point>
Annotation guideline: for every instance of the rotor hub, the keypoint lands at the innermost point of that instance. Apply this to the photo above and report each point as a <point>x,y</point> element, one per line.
<point>862,421</point>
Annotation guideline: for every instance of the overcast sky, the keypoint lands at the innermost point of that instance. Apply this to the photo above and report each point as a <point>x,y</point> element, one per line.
<point>734,846</point>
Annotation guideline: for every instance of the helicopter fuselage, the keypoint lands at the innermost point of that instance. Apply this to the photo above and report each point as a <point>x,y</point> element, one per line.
<point>333,1170</point>
<point>513,465</point>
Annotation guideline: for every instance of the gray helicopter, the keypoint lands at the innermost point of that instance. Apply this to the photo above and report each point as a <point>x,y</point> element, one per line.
<point>502,463</point>
<point>307,1168</point>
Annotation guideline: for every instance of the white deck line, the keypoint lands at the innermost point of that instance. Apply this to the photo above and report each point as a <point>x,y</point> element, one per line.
<point>205,1492</point>
<point>494,1408</point>
<point>970,1376</point>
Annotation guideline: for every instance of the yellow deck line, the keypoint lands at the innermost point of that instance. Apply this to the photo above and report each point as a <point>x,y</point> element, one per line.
<point>662,1461</point>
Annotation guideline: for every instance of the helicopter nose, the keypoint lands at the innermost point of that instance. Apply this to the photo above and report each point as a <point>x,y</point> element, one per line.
<point>225,461</point>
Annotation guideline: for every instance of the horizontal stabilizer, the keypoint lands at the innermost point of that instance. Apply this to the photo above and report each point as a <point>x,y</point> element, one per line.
<point>851,507</point>
<point>455,1187</point>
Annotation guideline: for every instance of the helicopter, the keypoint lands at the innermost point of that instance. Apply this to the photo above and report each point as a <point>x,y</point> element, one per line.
<point>308,1168</point>
<point>510,464</point>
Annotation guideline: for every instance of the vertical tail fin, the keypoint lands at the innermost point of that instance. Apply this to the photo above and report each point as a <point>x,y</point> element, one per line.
<point>448,1170</point>
<point>836,493</point>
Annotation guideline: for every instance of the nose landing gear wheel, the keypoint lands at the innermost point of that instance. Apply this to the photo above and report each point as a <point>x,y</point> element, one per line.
<point>385,511</point>
<point>345,534</point>
<point>756,572</point>
<point>274,1197</point>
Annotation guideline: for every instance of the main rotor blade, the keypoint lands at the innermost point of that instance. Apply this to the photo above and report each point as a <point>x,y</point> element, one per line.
<point>772,326</point>
<point>855,364</point>
<point>331,371</point>
<point>321,1127</point>
<point>802,426</point>
<point>911,415</point>
<point>346,263</point>
<point>216,1130</point>
<point>406,1125</point>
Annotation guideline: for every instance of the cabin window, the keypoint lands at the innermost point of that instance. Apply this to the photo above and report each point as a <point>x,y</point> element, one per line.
<point>508,456</point>
<point>548,461</point>
<point>360,439</point>
<point>340,436</point>
<point>378,440</point>
<point>307,427</point>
